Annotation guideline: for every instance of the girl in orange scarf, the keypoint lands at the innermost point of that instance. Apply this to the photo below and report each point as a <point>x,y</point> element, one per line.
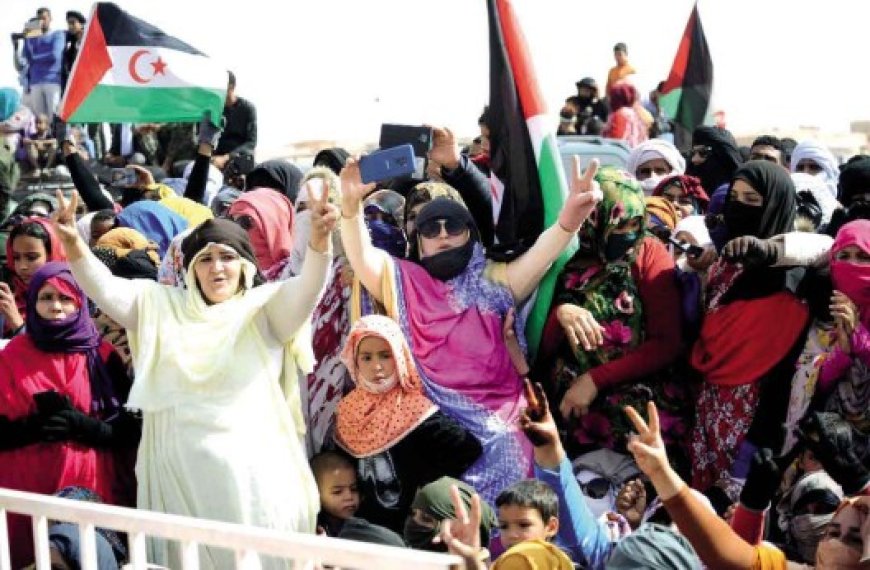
<point>387,419</point>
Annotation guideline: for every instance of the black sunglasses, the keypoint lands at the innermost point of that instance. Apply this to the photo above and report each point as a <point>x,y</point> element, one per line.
<point>596,488</point>
<point>702,151</point>
<point>432,228</point>
<point>245,221</point>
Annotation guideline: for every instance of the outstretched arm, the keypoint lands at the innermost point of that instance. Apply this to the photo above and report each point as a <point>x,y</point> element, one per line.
<point>525,272</point>
<point>366,260</point>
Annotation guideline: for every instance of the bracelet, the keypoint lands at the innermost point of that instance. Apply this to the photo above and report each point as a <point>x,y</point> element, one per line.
<point>353,217</point>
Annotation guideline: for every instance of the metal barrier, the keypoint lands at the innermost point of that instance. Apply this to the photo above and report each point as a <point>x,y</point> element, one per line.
<point>247,542</point>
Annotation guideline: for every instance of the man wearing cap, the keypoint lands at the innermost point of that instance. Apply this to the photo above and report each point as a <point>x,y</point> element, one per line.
<point>75,30</point>
<point>587,103</point>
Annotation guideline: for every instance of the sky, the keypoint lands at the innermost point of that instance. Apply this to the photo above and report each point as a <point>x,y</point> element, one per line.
<point>337,69</point>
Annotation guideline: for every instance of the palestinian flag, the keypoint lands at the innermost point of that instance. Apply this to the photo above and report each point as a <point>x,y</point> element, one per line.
<point>686,95</point>
<point>529,185</point>
<point>128,71</point>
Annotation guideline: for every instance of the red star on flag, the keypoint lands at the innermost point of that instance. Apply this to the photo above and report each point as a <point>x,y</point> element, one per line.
<point>159,66</point>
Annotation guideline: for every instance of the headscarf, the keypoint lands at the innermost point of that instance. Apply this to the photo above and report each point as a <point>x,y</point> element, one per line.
<point>75,334</point>
<point>372,418</point>
<point>212,184</point>
<point>729,282</point>
<point>387,235</point>
<point>14,117</point>
<point>654,547</point>
<point>24,206</point>
<point>434,500</point>
<point>806,529</point>
<point>661,212</point>
<point>57,253</point>
<point>122,241</point>
<point>221,232</point>
<point>821,155</point>
<point>696,227</point>
<point>722,162</point>
<point>83,225</point>
<point>853,279</point>
<point>804,182</point>
<point>426,192</point>
<point>279,175</point>
<point>652,149</point>
<point>605,287</point>
<point>155,221</point>
<point>533,555</point>
<point>854,179</point>
<point>332,158</point>
<point>621,95</point>
<point>691,187</point>
<point>272,232</point>
<point>223,200</point>
<point>194,212</point>
<point>302,219</point>
<point>361,530</point>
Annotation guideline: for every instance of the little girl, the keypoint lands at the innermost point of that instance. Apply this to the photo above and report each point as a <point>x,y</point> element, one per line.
<point>401,441</point>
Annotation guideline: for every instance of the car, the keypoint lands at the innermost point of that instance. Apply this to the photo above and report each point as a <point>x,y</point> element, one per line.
<point>609,152</point>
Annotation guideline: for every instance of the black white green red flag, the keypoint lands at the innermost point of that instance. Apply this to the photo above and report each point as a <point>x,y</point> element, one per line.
<point>686,95</point>
<point>529,184</point>
<point>128,71</point>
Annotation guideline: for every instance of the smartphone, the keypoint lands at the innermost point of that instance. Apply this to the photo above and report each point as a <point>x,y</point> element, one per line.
<point>690,250</point>
<point>124,177</point>
<point>420,138</point>
<point>388,163</point>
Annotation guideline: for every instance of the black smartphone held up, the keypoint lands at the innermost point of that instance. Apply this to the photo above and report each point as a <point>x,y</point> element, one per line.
<point>124,177</point>
<point>690,250</point>
<point>386,164</point>
<point>420,138</point>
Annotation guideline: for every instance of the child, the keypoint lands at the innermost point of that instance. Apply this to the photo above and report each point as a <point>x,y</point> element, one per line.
<point>41,147</point>
<point>527,510</point>
<point>339,497</point>
<point>399,438</point>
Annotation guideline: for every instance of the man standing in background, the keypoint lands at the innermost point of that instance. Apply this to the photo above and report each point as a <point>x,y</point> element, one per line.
<point>75,30</point>
<point>621,70</point>
<point>240,130</point>
<point>44,56</point>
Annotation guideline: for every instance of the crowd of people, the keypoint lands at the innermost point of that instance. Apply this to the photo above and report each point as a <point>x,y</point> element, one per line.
<point>305,352</point>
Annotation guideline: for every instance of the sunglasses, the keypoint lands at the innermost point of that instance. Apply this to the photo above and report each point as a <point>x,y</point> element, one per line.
<point>702,151</point>
<point>246,222</point>
<point>661,232</point>
<point>595,488</point>
<point>432,228</point>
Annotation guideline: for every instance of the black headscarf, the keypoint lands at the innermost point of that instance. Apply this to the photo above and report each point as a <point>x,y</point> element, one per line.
<point>443,209</point>
<point>279,175</point>
<point>223,232</point>
<point>723,161</point>
<point>778,211</point>
<point>854,180</point>
<point>332,158</point>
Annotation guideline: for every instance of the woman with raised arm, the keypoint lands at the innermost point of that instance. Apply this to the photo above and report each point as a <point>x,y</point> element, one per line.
<point>451,303</point>
<point>220,440</point>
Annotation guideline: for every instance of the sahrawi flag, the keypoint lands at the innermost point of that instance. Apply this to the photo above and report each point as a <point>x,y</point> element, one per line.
<point>529,185</point>
<point>128,71</point>
<point>686,94</point>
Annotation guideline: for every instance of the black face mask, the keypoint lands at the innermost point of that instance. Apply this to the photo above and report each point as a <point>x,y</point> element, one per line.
<point>420,537</point>
<point>742,220</point>
<point>618,245</point>
<point>448,264</point>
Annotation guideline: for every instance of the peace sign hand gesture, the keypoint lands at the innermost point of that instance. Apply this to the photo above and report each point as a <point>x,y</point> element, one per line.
<point>647,446</point>
<point>324,217</point>
<point>64,219</point>
<point>584,194</point>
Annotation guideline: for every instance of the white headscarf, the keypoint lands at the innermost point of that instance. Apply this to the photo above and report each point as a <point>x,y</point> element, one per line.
<point>652,149</point>
<point>694,226</point>
<point>84,226</point>
<point>819,154</point>
<point>214,183</point>
<point>820,191</point>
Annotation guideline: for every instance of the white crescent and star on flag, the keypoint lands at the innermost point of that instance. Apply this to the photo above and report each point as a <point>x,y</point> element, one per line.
<point>144,66</point>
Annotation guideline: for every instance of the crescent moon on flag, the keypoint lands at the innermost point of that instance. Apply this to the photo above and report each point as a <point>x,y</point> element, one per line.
<point>132,66</point>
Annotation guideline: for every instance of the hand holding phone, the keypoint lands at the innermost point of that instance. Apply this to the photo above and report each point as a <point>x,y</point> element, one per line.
<point>690,250</point>
<point>124,177</point>
<point>386,164</point>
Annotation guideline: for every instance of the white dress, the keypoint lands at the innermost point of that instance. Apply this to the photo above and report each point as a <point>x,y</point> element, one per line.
<point>221,440</point>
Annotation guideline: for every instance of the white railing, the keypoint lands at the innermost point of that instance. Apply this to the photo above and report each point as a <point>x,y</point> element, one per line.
<point>247,542</point>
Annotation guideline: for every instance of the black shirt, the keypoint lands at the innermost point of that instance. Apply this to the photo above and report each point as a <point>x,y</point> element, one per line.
<point>240,130</point>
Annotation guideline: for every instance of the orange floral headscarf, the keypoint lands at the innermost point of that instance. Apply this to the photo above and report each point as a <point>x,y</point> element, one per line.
<point>368,420</point>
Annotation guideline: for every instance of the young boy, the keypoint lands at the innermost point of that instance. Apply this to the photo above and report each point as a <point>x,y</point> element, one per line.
<point>527,510</point>
<point>339,498</point>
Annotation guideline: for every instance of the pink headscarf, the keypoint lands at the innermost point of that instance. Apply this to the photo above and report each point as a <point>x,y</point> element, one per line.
<point>853,279</point>
<point>272,231</point>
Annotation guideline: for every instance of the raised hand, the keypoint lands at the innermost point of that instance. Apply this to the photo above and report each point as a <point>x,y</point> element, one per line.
<point>631,502</point>
<point>845,315</point>
<point>324,217</point>
<point>64,218</point>
<point>353,190</point>
<point>579,397</point>
<point>462,534</point>
<point>537,422</point>
<point>9,309</point>
<point>444,150</point>
<point>647,446</point>
<point>584,194</point>
<point>144,178</point>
